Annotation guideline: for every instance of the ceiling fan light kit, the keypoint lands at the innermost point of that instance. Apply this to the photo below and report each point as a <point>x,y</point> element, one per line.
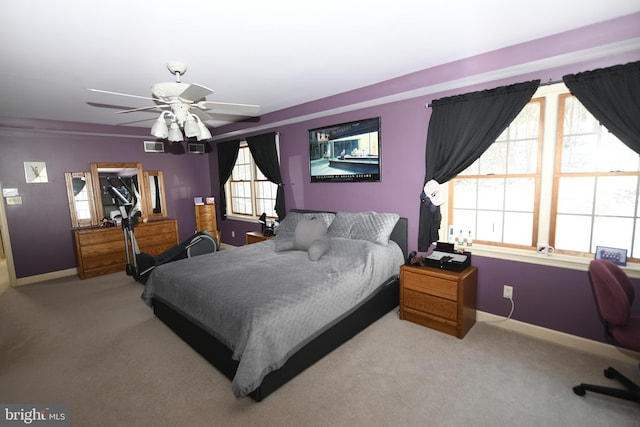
<point>175,135</point>
<point>188,107</point>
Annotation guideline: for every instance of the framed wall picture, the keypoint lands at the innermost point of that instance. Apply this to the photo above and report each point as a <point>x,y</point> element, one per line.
<point>615,255</point>
<point>35,172</point>
<point>346,152</point>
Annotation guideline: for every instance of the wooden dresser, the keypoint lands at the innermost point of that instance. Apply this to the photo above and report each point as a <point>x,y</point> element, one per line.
<point>206,220</point>
<point>101,250</point>
<point>439,299</point>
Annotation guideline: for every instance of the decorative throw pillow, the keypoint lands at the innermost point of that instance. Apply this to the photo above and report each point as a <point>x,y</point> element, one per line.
<point>288,224</point>
<point>310,236</point>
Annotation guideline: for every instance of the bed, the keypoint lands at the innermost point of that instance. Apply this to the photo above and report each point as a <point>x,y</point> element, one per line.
<point>264,312</point>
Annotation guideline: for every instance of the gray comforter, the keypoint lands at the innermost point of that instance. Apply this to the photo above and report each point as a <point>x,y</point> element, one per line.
<point>265,305</point>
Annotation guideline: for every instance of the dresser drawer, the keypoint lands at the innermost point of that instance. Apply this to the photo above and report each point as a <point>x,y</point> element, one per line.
<point>430,285</point>
<point>102,250</point>
<point>430,304</point>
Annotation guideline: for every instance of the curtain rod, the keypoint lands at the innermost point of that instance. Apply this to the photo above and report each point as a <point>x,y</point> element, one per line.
<point>548,83</point>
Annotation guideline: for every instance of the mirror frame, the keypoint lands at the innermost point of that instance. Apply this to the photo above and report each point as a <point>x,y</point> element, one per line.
<point>97,190</point>
<point>75,222</point>
<point>147,175</point>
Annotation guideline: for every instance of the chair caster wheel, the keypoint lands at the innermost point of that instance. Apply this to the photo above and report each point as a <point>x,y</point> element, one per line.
<point>580,391</point>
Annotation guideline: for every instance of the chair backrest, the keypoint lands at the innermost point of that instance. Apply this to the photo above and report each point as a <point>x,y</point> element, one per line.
<point>613,291</point>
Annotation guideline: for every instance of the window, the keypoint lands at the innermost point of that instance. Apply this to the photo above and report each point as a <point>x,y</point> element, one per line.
<point>251,193</point>
<point>555,175</point>
<point>596,183</point>
<point>494,198</point>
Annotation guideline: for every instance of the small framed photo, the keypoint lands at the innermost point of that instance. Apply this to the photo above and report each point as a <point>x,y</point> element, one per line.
<point>615,255</point>
<point>35,172</point>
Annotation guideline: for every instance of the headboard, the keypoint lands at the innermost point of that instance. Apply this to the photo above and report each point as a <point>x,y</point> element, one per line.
<point>398,235</point>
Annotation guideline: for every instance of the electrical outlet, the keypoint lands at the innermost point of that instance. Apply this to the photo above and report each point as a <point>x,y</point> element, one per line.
<point>233,234</point>
<point>507,291</point>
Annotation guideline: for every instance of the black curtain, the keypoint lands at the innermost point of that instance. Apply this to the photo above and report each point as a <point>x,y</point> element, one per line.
<point>265,154</point>
<point>612,95</point>
<point>227,156</point>
<point>461,128</point>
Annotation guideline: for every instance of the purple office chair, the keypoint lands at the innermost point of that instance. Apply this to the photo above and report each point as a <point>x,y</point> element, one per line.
<point>614,295</point>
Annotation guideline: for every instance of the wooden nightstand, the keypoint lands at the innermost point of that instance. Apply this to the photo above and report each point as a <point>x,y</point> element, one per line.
<point>255,237</point>
<point>439,299</point>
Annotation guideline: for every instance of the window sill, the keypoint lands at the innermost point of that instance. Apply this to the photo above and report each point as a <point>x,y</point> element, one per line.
<point>553,260</point>
<point>242,218</point>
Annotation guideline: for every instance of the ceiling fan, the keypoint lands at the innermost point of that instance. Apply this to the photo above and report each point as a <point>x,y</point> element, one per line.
<point>183,106</point>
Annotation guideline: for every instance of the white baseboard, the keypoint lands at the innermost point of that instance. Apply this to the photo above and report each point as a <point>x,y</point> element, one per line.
<point>561,338</point>
<point>46,276</point>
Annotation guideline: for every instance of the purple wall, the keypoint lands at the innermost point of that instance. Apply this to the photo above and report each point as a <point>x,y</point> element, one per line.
<point>40,228</point>
<point>550,297</point>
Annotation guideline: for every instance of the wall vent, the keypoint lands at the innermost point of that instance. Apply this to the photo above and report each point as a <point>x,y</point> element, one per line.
<point>195,148</point>
<point>154,147</point>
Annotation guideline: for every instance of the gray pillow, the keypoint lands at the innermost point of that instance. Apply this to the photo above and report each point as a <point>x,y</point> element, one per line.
<point>317,248</point>
<point>288,224</point>
<point>310,236</point>
<point>307,231</point>
<point>342,224</point>
<point>371,226</point>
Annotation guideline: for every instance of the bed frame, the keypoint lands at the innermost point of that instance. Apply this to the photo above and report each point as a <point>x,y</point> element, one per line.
<point>385,300</point>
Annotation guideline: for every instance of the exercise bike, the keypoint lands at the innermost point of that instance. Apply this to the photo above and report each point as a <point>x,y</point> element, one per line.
<point>140,264</point>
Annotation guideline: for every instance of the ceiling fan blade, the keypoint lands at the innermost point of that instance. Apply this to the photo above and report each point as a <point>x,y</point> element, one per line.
<point>195,92</point>
<point>153,107</point>
<point>121,94</point>
<point>240,109</point>
<point>201,114</point>
<point>112,106</point>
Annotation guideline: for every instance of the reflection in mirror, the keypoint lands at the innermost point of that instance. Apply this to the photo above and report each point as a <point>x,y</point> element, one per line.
<point>80,195</point>
<point>119,175</point>
<point>156,203</point>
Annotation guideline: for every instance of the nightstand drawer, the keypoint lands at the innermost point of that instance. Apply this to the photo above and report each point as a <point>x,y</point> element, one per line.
<point>438,299</point>
<point>429,304</point>
<point>433,322</point>
<point>433,285</point>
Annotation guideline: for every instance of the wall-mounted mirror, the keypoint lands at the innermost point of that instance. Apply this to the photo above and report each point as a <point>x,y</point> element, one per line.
<point>80,195</point>
<point>130,174</point>
<point>156,203</point>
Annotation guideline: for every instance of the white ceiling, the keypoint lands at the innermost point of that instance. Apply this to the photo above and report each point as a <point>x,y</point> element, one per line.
<point>276,53</point>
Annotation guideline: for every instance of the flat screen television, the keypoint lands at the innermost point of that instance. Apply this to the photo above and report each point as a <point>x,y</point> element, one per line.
<point>347,152</point>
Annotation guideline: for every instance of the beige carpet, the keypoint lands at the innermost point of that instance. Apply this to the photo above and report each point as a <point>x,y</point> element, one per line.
<point>94,346</point>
